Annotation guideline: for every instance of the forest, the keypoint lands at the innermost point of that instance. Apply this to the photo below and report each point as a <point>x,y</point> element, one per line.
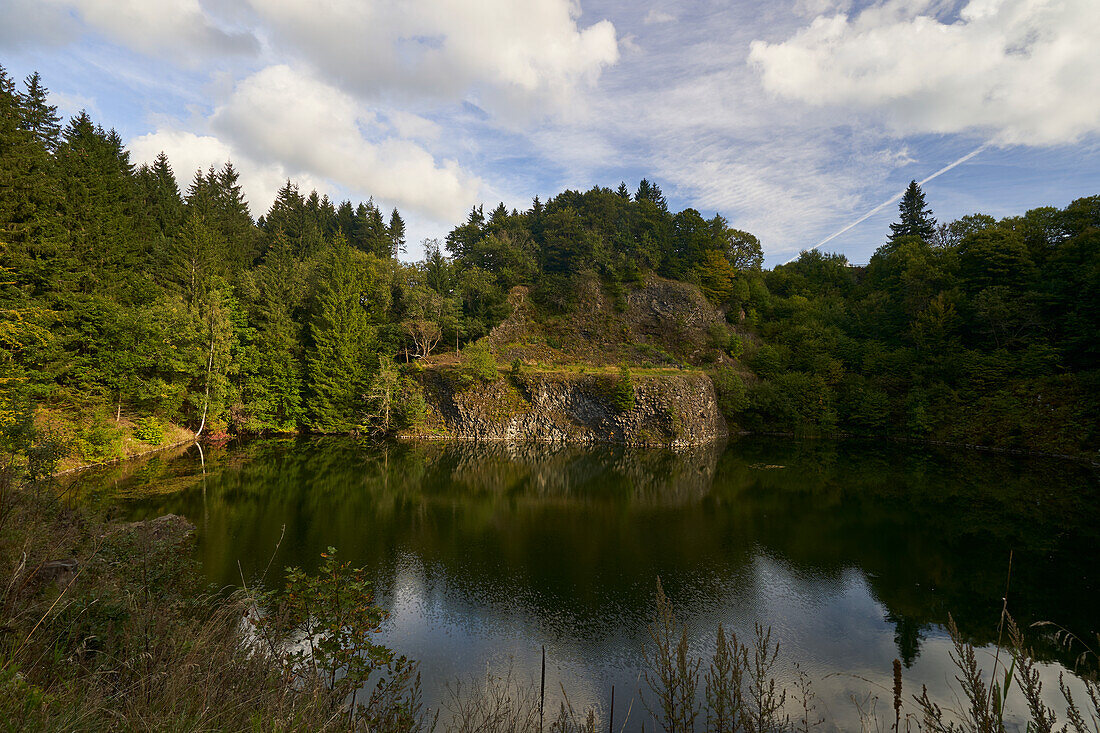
<point>131,296</point>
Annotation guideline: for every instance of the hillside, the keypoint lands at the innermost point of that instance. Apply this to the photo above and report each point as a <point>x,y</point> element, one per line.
<point>128,301</point>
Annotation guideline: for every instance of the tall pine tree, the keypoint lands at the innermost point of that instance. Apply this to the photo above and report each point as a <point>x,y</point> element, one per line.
<point>916,218</point>
<point>40,117</point>
<point>396,231</point>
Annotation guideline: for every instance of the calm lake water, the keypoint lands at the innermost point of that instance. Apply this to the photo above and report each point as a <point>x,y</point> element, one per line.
<point>853,552</point>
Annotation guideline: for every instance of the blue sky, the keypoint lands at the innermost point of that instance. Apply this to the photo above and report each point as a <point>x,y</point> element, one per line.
<point>791,118</point>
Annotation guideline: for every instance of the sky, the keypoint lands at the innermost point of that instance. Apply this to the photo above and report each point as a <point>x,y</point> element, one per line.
<point>794,119</point>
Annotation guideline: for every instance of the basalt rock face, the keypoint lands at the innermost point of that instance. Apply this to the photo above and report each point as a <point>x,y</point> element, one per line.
<point>670,409</point>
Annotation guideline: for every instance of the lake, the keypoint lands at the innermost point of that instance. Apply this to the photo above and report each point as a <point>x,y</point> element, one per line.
<point>854,552</point>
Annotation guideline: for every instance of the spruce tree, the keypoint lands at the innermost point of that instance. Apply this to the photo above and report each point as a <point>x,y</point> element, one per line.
<point>396,232</point>
<point>916,218</point>
<point>233,221</point>
<point>344,344</point>
<point>40,117</point>
<point>100,196</point>
<point>163,202</point>
<point>31,236</point>
<point>624,192</point>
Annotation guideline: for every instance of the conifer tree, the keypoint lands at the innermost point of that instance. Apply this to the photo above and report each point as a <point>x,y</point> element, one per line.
<point>651,192</point>
<point>31,234</point>
<point>344,344</point>
<point>233,221</point>
<point>40,117</point>
<point>192,258</point>
<point>623,192</point>
<point>99,196</point>
<point>163,203</point>
<point>915,216</point>
<point>345,219</point>
<point>271,373</point>
<point>396,232</point>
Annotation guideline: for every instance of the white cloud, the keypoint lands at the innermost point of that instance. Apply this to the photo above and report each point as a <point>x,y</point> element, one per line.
<point>178,28</point>
<point>309,127</point>
<point>280,123</point>
<point>658,16</point>
<point>413,126</point>
<point>513,52</point>
<point>1020,71</point>
<point>33,22</point>
<point>188,153</point>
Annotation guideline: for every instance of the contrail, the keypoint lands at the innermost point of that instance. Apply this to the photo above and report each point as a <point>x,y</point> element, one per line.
<point>886,203</point>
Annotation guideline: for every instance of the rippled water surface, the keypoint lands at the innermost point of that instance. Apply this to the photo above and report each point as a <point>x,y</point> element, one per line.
<point>854,553</point>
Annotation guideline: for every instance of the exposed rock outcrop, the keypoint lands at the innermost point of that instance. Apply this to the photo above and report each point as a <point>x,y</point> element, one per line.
<point>669,409</point>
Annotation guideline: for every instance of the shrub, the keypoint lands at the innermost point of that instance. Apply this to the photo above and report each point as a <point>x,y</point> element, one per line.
<point>655,356</point>
<point>335,614</point>
<point>735,347</point>
<point>149,430</point>
<point>478,362</point>
<point>719,336</point>
<point>411,406</point>
<point>98,443</point>
<point>733,399</point>
<point>44,454</point>
<point>622,394</point>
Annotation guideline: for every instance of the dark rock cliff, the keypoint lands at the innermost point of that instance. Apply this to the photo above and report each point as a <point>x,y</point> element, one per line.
<point>669,409</point>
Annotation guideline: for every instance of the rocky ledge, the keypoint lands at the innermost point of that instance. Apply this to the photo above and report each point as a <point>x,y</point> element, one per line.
<point>674,410</point>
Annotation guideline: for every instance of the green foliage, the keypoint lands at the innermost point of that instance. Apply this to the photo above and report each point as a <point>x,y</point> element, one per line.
<point>345,341</point>
<point>117,289</point>
<point>149,430</point>
<point>622,393</point>
<point>915,216</point>
<point>954,337</point>
<point>733,398</point>
<point>98,442</point>
<point>333,618</point>
<point>478,363</point>
<point>412,408</point>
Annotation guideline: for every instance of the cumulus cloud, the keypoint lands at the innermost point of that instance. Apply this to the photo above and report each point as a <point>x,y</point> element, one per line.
<point>1019,71</point>
<point>189,153</point>
<point>313,128</point>
<point>179,28</point>
<point>517,50</point>
<point>281,123</point>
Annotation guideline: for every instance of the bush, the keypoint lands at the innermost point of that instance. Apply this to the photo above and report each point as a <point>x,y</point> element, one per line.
<point>655,356</point>
<point>98,443</point>
<point>735,347</point>
<point>149,430</point>
<point>622,394</point>
<point>411,406</point>
<point>335,613</point>
<point>733,399</point>
<point>478,362</point>
<point>719,336</point>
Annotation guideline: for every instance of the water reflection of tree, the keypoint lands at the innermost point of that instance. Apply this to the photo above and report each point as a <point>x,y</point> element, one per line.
<point>929,530</point>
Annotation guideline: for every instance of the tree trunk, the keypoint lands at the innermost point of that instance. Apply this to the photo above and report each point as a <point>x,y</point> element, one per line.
<point>206,400</point>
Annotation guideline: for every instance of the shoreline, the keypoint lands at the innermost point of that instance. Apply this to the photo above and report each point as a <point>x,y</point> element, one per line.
<point>733,434</point>
<point>121,459</point>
